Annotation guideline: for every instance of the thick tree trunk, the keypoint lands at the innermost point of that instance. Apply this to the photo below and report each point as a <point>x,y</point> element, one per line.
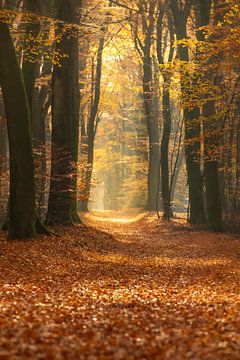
<point>9,4</point>
<point>213,198</point>
<point>62,208</point>
<point>192,122</point>
<point>37,97</point>
<point>237,184</point>
<point>30,64</point>
<point>193,163</point>
<point>22,214</point>
<point>3,162</point>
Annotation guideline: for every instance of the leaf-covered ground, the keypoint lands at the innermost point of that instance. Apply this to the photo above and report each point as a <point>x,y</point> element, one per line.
<point>121,290</point>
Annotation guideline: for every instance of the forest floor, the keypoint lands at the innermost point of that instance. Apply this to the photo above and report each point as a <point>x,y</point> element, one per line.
<point>128,288</point>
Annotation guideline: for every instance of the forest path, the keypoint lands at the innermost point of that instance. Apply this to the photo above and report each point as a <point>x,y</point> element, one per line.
<point>122,288</point>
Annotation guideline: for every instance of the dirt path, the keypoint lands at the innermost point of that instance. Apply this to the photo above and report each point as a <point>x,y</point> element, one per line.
<point>121,290</point>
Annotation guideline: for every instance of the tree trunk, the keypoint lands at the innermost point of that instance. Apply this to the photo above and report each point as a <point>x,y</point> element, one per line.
<point>22,214</point>
<point>4,181</point>
<point>153,134</point>
<point>62,208</point>
<point>91,128</point>
<point>193,163</point>
<point>213,197</point>
<point>167,119</point>
<point>37,97</point>
<point>30,64</point>
<point>237,184</point>
<point>191,120</point>
<point>41,105</point>
<point>144,48</point>
<point>175,173</point>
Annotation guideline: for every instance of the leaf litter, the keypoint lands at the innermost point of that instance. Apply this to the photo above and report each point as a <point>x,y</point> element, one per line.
<point>121,290</point>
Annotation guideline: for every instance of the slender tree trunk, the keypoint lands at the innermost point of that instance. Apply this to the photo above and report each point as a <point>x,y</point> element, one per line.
<point>166,108</point>
<point>175,174</point>
<point>144,47</point>
<point>41,105</point>
<point>167,120</point>
<point>91,128</point>
<point>153,134</point>
<point>62,208</point>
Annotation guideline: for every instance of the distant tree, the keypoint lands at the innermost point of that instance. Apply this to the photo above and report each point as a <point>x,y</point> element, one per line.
<point>89,129</point>
<point>143,27</point>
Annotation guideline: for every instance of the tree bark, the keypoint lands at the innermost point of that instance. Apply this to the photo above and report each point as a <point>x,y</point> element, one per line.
<point>31,64</point>
<point>167,120</point>
<point>153,134</point>
<point>3,162</point>
<point>41,103</point>
<point>213,197</point>
<point>191,120</point>
<point>62,208</point>
<point>166,110</point>
<point>144,48</point>
<point>91,127</point>
<point>22,214</point>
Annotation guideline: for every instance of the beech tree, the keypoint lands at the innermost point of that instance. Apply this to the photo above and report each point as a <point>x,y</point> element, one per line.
<point>210,122</point>
<point>23,222</point>
<point>35,67</point>
<point>143,26</point>
<point>163,11</point>
<point>191,118</point>
<point>89,130</point>
<point>62,207</point>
